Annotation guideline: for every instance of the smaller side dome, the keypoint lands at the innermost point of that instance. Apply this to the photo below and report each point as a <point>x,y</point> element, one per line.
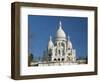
<point>69,44</point>
<point>50,43</point>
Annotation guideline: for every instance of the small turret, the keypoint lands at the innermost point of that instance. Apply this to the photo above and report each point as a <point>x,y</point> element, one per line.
<point>69,44</point>
<point>50,43</point>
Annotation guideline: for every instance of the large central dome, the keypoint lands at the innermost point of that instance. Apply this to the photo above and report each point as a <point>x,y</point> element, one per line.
<point>60,34</point>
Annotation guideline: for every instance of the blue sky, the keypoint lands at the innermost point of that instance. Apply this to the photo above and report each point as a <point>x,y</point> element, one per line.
<point>41,27</point>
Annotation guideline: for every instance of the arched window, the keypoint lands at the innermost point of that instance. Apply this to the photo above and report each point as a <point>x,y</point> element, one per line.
<point>50,50</point>
<point>68,48</point>
<point>62,59</point>
<point>55,44</point>
<point>63,51</point>
<point>62,44</point>
<point>69,54</point>
<point>58,59</point>
<point>55,59</point>
<point>59,51</point>
<point>56,50</point>
<point>49,55</point>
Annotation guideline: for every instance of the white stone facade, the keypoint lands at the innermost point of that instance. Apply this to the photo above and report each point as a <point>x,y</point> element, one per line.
<point>61,50</point>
